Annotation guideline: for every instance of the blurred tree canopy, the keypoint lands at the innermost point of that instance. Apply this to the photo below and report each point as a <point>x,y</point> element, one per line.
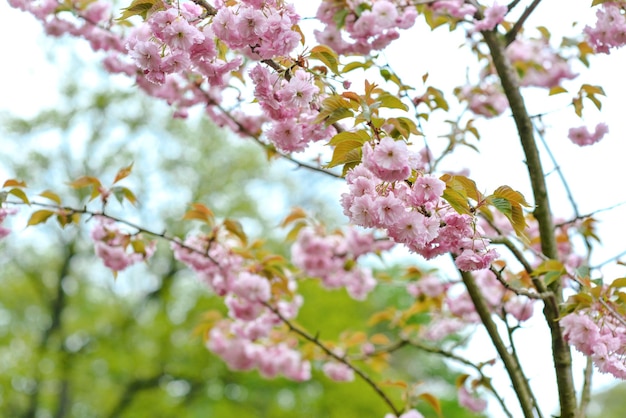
<point>74,342</point>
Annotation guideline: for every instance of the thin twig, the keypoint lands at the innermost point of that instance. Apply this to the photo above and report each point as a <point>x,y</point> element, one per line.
<point>590,214</point>
<point>610,260</point>
<point>517,291</point>
<point>341,359</point>
<point>265,146</point>
<point>84,211</point>
<point>510,36</point>
<point>511,363</point>
<point>484,379</point>
<point>585,394</point>
<point>210,10</point>
<point>561,353</point>
<point>510,331</point>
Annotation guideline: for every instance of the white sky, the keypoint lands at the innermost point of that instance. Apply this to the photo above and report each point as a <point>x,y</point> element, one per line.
<point>29,83</point>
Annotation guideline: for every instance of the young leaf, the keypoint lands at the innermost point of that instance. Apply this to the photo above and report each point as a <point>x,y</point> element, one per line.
<point>123,173</point>
<point>40,216</point>
<point>13,183</point>
<point>19,193</point>
<point>122,193</point>
<point>51,195</point>
<point>295,214</point>
<point>341,153</point>
<point>141,8</point>
<point>235,228</point>
<point>327,56</point>
<point>199,212</point>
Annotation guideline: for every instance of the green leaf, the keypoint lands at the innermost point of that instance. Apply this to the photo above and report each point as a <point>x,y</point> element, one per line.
<point>327,56</point>
<point>200,212</point>
<point>356,65</point>
<point>503,205</point>
<point>123,173</point>
<point>234,227</point>
<point>296,213</point>
<point>40,216</point>
<point>13,183</point>
<point>340,17</point>
<point>404,127</point>
<point>341,151</point>
<point>138,246</point>
<point>464,185</point>
<point>122,193</point>
<point>432,401</point>
<point>335,108</point>
<point>509,202</point>
<point>51,195</point>
<point>551,269</point>
<point>557,90</point>
<point>19,193</point>
<point>360,135</point>
<point>85,181</point>
<point>141,8</point>
<point>621,282</point>
<point>295,230</point>
<point>391,102</point>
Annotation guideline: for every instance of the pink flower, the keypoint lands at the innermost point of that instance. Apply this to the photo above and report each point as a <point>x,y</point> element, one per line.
<point>610,28</point>
<point>390,160</point>
<point>426,189</point>
<point>493,15</point>
<point>4,212</point>
<point>338,372</point>
<point>582,137</point>
<point>412,413</point>
<point>470,260</point>
<point>471,402</point>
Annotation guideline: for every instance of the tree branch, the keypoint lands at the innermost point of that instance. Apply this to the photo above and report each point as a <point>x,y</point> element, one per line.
<point>510,36</point>
<point>484,379</point>
<point>560,349</point>
<point>585,395</point>
<point>264,145</point>
<point>511,363</point>
<point>522,292</point>
<point>341,359</point>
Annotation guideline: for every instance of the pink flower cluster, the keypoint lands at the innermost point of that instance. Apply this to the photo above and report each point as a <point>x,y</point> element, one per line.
<point>260,29</point>
<point>470,401</point>
<point>596,333</point>
<point>243,353</point>
<point>4,212</point>
<point>457,309</point>
<point>292,106</point>
<point>338,372</point>
<point>538,64</point>
<point>582,137</point>
<point>486,99</point>
<point>332,258</point>
<point>112,245</point>
<point>459,9</point>
<point>167,43</point>
<point>412,214</point>
<point>493,15</point>
<point>610,28</point>
<point>411,413</point>
<point>370,24</point>
<point>243,340</point>
<point>94,28</point>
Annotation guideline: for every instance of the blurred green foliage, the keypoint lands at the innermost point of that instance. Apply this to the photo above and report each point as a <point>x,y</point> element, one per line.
<point>74,342</point>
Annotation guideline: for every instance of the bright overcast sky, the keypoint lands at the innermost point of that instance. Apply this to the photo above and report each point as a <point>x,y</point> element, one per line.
<point>28,83</point>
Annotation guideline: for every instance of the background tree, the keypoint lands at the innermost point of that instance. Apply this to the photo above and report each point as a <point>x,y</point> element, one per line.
<point>77,343</point>
<point>242,62</point>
